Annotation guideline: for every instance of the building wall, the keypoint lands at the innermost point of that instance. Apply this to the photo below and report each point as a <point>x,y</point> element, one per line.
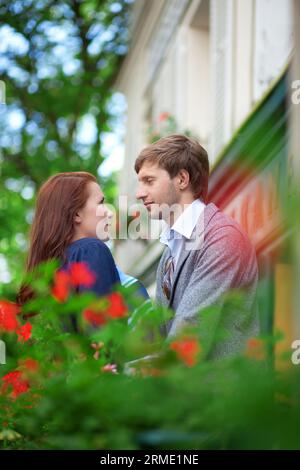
<point>208,63</point>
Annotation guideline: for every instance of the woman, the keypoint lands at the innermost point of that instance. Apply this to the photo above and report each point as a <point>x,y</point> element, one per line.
<point>70,218</point>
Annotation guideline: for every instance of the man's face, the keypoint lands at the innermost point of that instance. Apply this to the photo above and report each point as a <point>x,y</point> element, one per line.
<point>157,190</point>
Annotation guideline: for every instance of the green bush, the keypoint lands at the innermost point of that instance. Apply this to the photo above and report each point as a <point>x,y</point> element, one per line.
<point>85,389</point>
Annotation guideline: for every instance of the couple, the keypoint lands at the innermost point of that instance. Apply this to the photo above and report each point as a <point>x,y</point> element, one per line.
<point>207,254</point>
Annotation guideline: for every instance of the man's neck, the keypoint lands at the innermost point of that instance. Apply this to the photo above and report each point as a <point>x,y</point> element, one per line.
<point>185,201</point>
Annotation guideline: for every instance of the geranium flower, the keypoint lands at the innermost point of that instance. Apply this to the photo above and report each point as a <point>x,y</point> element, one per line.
<point>187,350</point>
<point>61,287</point>
<point>81,275</point>
<point>29,364</point>
<point>117,307</point>
<point>94,317</point>
<point>15,379</point>
<point>24,333</point>
<point>8,315</point>
<point>100,315</point>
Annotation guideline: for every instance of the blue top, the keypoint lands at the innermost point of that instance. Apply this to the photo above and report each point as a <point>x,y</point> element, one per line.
<point>99,260</point>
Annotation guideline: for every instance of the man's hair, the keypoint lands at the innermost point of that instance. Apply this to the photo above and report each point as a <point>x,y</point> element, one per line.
<point>178,152</point>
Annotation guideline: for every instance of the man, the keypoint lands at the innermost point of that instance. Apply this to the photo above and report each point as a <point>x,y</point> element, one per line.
<point>207,254</point>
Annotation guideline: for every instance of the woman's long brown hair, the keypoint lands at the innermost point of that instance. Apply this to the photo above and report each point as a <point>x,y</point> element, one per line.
<point>58,200</point>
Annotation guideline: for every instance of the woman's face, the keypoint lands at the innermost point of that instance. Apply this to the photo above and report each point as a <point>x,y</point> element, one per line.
<point>93,219</point>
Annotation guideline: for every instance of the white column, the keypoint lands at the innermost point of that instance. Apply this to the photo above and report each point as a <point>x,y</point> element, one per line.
<point>221,20</point>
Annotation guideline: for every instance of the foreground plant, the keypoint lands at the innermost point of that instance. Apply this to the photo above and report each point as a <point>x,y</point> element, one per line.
<point>73,389</point>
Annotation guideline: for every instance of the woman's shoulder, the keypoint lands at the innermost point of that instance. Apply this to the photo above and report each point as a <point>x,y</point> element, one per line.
<point>86,243</point>
<point>98,258</point>
<point>89,249</point>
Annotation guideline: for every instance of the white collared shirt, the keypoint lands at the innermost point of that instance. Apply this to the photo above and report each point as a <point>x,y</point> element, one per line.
<point>182,229</point>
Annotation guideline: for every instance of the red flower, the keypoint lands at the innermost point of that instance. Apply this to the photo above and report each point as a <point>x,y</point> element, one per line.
<point>163,117</point>
<point>187,350</point>
<point>78,274</point>
<point>81,275</point>
<point>61,286</point>
<point>29,364</point>
<point>8,315</point>
<point>94,317</point>
<point>19,385</point>
<point>117,308</point>
<point>24,333</point>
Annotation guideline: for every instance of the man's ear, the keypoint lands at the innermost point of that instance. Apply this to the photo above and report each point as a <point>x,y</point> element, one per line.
<point>184,179</point>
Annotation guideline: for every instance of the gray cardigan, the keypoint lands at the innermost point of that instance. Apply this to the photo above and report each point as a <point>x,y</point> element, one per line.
<point>224,260</point>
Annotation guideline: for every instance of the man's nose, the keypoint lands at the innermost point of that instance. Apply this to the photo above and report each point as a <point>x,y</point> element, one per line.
<point>140,193</point>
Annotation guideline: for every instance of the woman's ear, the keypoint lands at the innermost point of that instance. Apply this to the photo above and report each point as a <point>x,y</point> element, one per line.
<point>77,218</point>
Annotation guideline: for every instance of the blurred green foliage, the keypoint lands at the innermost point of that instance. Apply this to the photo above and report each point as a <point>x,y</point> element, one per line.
<point>156,402</point>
